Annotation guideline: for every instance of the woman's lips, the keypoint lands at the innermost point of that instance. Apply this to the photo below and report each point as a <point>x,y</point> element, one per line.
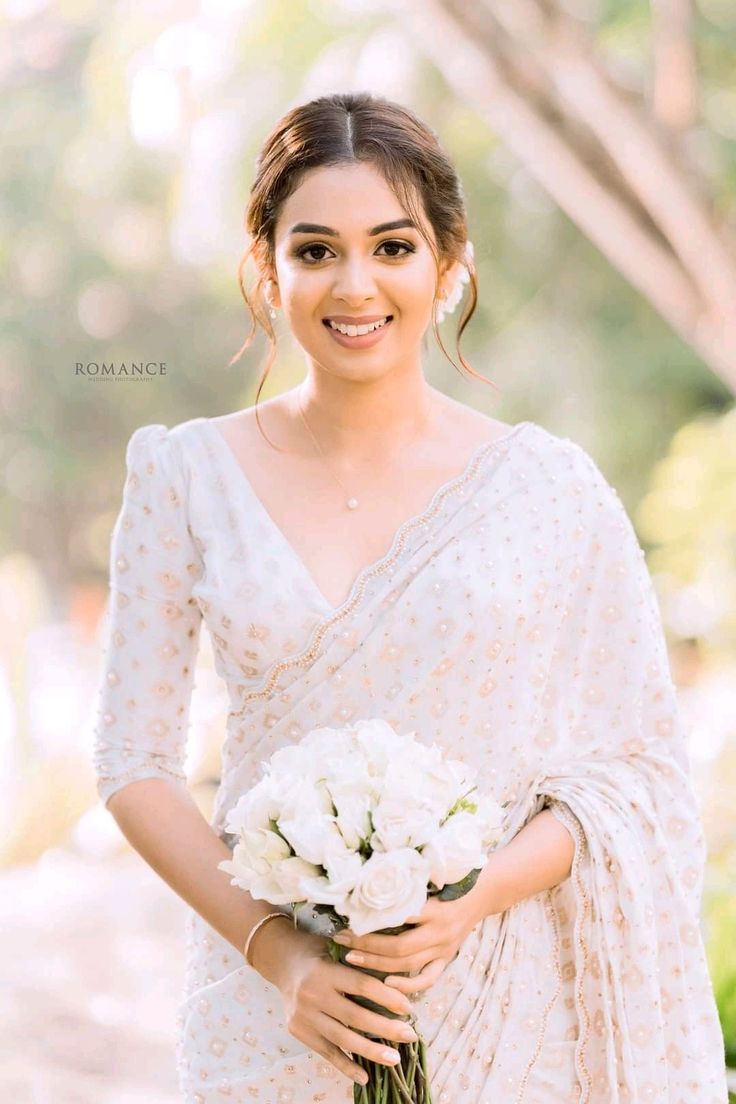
<point>361,341</point>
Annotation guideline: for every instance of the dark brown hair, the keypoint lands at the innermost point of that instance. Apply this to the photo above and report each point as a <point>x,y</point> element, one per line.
<point>350,127</point>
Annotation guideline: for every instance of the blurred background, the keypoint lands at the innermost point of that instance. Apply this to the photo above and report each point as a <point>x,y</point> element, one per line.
<point>597,145</point>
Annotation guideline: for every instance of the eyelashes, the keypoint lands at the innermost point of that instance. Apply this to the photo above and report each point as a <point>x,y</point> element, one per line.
<point>303,252</point>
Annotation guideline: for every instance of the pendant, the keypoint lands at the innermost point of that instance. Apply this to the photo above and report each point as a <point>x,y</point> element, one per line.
<point>352,504</point>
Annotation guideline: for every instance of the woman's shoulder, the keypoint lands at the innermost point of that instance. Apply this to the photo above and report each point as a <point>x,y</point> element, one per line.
<point>563,457</point>
<point>155,436</point>
<point>155,450</point>
<point>572,480</point>
<point>558,458</point>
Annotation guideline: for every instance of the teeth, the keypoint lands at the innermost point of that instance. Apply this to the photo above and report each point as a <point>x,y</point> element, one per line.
<point>355,331</point>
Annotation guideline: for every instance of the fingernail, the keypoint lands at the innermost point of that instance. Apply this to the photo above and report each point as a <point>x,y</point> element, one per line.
<point>354,956</point>
<point>341,938</point>
<point>410,1035</point>
<point>391,1055</point>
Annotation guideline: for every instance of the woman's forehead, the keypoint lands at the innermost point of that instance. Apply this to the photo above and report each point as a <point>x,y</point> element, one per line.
<point>351,198</point>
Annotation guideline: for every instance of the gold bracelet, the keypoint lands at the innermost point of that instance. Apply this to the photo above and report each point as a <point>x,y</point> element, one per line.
<point>254,929</point>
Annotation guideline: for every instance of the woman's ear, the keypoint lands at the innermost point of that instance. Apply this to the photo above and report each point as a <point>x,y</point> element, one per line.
<point>271,289</point>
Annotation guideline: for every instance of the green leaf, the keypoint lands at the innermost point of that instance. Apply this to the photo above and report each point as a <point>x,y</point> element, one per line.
<point>459,889</point>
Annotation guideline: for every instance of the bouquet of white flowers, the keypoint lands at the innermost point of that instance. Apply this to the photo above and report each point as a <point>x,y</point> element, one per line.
<point>364,824</point>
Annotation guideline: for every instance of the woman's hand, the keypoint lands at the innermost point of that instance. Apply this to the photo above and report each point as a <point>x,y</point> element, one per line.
<point>319,1013</point>
<point>424,950</point>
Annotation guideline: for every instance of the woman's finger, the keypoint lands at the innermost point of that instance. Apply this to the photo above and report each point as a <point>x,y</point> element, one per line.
<point>369,1022</point>
<point>349,980</point>
<point>340,1060</point>
<point>392,964</point>
<point>426,977</point>
<point>354,1042</point>
<point>405,943</point>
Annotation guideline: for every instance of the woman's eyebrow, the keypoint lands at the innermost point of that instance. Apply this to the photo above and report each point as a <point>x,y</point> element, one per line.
<point>315,228</point>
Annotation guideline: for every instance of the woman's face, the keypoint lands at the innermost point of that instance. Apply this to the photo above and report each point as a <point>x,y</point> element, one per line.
<point>336,259</point>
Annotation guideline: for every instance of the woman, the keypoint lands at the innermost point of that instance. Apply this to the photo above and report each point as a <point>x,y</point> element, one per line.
<point>368,547</point>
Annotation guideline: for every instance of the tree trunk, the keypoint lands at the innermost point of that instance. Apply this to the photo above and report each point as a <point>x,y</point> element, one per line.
<point>606,158</point>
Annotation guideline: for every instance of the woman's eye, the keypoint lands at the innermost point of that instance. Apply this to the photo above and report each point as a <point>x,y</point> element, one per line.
<point>302,253</point>
<point>307,252</point>
<point>400,245</point>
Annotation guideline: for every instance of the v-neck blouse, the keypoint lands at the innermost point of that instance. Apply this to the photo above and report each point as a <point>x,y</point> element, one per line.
<point>193,542</point>
<point>258,507</point>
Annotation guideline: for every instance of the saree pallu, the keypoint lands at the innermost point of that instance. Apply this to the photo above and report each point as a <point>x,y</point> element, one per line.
<point>513,623</point>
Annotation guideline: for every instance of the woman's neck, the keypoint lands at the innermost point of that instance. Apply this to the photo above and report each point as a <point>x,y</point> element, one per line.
<point>359,422</point>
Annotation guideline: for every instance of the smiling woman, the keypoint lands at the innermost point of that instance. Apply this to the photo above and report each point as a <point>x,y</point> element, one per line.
<point>473,582</point>
<point>345,138</point>
<point>316,269</point>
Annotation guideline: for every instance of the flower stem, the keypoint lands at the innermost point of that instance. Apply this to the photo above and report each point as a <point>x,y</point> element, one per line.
<point>426,1095</point>
<point>412,1065</point>
<point>402,1094</point>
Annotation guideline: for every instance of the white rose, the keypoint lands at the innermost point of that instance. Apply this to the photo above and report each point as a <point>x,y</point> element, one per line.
<point>455,850</point>
<point>343,765</point>
<point>332,750</point>
<point>310,836</point>
<point>399,820</point>
<point>490,816</point>
<point>385,749</point>
<point>255,809</point>
<point>345,772</point>
<point>379,742</point>
<point>260,848</point>
<point>255,855</point>
<point>412,803</point>
<point>343,872</point>
<point>391,886</point>
<point>294,761</point>
<point>354,805</point>
<point>446,780</point>
<point>283,885</point>
<point>307,821</point>
<point>262,864</point>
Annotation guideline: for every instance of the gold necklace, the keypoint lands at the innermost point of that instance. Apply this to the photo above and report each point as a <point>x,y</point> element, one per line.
<point>351,501</point>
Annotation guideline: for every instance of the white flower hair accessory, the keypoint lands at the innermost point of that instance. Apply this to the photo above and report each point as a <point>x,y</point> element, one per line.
<point>448,304</point>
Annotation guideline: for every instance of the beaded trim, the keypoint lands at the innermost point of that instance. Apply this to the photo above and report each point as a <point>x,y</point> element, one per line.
<point>552,915</point>
<point>150,763</point>
<point>571,822</point>
<point>311,651</point>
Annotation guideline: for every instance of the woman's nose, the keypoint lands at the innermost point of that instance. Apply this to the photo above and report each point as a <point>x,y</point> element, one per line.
<point>354,279</point>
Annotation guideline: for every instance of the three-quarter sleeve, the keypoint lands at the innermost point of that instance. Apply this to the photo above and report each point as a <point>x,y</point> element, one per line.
<point>153,622</point>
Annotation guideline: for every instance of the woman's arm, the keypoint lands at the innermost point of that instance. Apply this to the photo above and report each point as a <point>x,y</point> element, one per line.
<point>162,822</point>
<point>152,635</point>
<point>164,825</point>
<point>537,858</point>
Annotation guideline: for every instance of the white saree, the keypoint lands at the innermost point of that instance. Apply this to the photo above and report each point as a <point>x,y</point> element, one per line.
<point>513,622</point>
